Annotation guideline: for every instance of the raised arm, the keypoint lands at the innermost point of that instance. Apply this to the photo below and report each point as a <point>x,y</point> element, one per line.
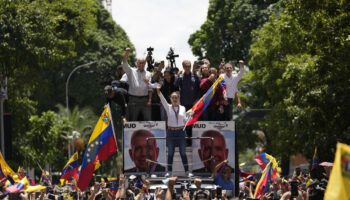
<point>162,99</point>
<point>217,167</point>
<point>125,64</point>
<point>241,71</point>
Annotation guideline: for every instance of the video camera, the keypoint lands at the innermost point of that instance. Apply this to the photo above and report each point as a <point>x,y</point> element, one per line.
<point>171,57</point>
<point>150,60</point>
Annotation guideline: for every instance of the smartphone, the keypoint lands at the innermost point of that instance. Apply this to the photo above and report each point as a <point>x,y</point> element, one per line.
<point>218,191</point>
<point>213,193</point>
<point>294,186</point>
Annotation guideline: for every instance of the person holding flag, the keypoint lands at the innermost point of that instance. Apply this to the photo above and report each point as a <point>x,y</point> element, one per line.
<point>176,135</point>
<point>101,145</point>
<point>195,112</point>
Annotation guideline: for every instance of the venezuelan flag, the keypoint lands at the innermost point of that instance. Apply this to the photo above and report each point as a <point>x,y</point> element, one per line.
<point>114,185</point>
<point>248,178</point>
<point>244,174</point>
<point>101,145</point>
<point>263,159</point>
<point>3,177</point>
<point>339,180</point>
<point>5,168</point>
<point>18,186</point>
<point>202,104</point>
<point>223,86</point>
<point>44,176</point>
<point>20,172</point>
<point>276,174</point>
<point>31,181</point>
<point>314,160</point>
<point>72,167</point>
<point>263,185</point>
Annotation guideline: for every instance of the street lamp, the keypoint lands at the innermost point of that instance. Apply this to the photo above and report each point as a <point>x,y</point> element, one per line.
<point>67,104</point>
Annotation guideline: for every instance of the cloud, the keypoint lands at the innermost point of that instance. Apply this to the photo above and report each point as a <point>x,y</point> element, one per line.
<point>161,24</point>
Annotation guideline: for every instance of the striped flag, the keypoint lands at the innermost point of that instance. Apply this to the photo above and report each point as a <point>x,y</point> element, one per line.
<point>195,112</point>
<point>71,168</point>
<point>263,185</point>
<point>101,145</point>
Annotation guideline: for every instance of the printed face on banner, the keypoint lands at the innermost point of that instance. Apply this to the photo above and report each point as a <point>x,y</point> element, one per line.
<point>135,146</point>
<point>223,134</point>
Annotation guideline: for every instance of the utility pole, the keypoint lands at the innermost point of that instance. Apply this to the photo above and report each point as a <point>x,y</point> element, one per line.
<point>3,96</point>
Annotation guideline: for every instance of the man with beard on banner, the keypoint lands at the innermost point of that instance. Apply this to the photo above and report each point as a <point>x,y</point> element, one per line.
<point>101,145</point>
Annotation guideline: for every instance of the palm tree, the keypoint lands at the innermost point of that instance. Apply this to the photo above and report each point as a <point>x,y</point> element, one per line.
<point>82,120</point>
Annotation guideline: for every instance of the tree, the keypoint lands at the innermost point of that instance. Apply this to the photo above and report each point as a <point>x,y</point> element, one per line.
<point>37,34</point>
<point>47,135</point>
<point>82,120</point>
<point>301,65</point>
<point>226,32</point>
<point>105,43</point>
<point>41,42</point>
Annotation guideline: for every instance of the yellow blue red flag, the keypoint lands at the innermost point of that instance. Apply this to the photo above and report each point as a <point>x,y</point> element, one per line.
<point>195,112</point>
<point>101,145</point>
<point>339,181</point>
<point>72,168</point>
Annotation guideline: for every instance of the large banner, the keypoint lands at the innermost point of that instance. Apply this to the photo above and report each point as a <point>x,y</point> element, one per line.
<point>135,152</point>
<point>223,133</point>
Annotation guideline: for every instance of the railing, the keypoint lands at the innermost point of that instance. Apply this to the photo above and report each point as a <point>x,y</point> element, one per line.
<point>177,138</point>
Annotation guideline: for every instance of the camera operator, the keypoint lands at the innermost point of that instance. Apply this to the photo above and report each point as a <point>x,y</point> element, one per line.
<point>119,96</point>
<point>140,95</point>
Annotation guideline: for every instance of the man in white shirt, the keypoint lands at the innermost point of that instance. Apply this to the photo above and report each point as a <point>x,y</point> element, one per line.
<point>140,95</point>
<point>231,81</point>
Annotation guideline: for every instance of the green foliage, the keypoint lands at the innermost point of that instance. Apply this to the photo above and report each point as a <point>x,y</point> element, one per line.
<point>105,43</point>
<point>226,32</point>
<point>301,64</point>
<point>41,42</point>
<point>47,136</point>
<point>82,120</point>
<point>37,34</point>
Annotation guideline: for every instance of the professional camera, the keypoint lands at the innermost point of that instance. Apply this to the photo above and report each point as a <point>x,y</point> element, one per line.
<point>171,57</point>
<point>171,54</point>
<point>150,60</point>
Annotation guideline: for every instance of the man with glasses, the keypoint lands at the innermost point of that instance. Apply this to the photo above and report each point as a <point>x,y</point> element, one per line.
<point>140,94</point>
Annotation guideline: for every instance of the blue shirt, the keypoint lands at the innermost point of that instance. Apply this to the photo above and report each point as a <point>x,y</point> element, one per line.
<point>219,180</point>
<point>189,88</point>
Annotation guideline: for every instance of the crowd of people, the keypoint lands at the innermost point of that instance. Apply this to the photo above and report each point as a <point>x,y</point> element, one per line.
<point>301,186</point>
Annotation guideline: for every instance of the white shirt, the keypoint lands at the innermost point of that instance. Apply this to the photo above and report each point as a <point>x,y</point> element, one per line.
<point>232,82</point>
<point>124,78</point>
<point>135,79</point>
<point>170,111</point>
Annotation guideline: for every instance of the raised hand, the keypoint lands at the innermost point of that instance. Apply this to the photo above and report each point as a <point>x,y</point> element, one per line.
<point>126,55</point>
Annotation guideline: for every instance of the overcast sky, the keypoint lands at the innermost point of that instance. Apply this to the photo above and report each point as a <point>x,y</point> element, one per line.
<point>160,24</point>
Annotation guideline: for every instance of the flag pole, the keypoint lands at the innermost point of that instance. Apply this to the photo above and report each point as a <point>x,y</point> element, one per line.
<point>110,114</point>
<point>44,172</point>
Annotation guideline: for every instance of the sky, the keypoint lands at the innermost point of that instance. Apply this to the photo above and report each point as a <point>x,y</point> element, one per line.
<point>161,24</point>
